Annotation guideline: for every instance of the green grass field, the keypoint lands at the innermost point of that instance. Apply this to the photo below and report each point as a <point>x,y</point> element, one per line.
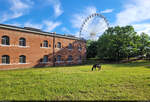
<point>129,81</point>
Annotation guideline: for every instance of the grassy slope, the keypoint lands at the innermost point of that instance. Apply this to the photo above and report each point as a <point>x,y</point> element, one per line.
<point>114,82</point>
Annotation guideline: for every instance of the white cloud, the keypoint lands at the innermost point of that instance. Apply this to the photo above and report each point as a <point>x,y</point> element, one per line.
<point>107,11</point>
<point>65,30</point>
<point>17,5</point>
<point>9,16</point>
<point>57,7</point>
<point>50,25</point>
<point>134,11</point>
<point>78,18</point>
<point>145,27</point>
<point>46,25</point>
<point>17,9</point>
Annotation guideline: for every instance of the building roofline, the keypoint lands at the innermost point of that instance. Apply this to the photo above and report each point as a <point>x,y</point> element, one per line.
<point>37,32</point>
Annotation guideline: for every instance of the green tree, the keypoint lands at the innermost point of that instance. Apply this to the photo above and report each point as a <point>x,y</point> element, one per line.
<point>91,49</point>
<point>117,43</point>
<point>144,44</point>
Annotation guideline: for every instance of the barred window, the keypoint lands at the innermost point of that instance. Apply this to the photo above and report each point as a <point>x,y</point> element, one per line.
<point>5,40</point>
<point>45,43</point>
<point>22,42</point>
<point>58,45</point>
<point>70,46</point>
<point>5,59</point>
<point>22,59</point>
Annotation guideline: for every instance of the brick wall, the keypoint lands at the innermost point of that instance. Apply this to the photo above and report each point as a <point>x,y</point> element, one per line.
<point>34,52</point>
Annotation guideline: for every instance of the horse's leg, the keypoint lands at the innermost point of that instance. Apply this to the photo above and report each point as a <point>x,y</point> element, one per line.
<point>92,68</point>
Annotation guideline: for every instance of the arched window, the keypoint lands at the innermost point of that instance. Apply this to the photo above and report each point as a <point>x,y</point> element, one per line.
<point>22,42</point>
<point>5,59</point>
<point>70,58</point>
<point>45,59</point>
<point>22,59</point>
<point>58,45</point>
<point>58,58</point>
<point>5,40</point>
<point>45,43</point>
<point>70,46</point>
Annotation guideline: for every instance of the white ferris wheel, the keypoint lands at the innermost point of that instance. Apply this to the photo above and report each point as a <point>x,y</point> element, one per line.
<point>93,26</point>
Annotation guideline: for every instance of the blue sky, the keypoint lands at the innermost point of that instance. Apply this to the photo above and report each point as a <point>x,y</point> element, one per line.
<point>66,16</point>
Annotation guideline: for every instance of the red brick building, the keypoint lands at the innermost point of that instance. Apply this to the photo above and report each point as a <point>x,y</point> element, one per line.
<point>29,47</point>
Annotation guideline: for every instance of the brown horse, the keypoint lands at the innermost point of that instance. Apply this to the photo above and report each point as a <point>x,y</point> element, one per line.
<point>96,66</point>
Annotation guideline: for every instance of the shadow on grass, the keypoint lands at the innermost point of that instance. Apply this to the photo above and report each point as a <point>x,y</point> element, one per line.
<point>66,66</point>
